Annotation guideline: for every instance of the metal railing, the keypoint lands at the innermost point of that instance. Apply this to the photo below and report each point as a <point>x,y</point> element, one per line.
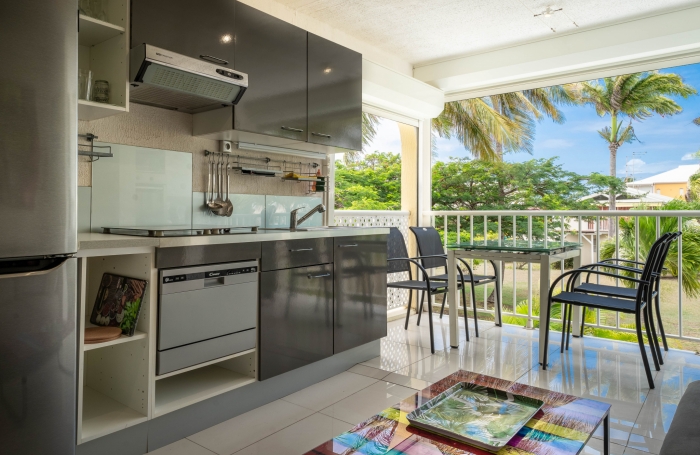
<point>590,228</point>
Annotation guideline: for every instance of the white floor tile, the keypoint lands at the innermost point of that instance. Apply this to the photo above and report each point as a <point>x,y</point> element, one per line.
<point>407,381</point>
<point>362,405</point>
<point>332,390</point>
<point>396,355</point>
<point>643,444</point>
<point>595,447</point>
<point>245,429</point>
<point>182,447</point>
<point>364,370</point>
<point>299,437</point>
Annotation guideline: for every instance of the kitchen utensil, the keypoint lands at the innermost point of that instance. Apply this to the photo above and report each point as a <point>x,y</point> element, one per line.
<point>228,205</point>
<point>94,335</point>
<point>100,92</point>
<point>213,206</point>
<point>219,178</point>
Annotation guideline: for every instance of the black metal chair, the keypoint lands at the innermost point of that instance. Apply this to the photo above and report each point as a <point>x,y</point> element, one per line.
<point>663,243</point>
<point>622,292</point>
<point>570,298</point>
<point>398,261</point>
<point>430,244</point>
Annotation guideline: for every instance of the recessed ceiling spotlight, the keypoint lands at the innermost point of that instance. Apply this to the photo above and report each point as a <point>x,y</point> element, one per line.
<point>548,12</point>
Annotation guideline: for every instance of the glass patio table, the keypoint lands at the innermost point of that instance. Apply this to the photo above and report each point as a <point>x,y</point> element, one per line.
<point>563,425</point>
<point>543,253</point>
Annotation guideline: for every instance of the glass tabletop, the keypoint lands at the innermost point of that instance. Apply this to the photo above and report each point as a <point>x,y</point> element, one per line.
<point>519,246</point>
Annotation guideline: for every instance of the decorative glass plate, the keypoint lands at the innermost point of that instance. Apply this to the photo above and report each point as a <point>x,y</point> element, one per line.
<point>476,415</point>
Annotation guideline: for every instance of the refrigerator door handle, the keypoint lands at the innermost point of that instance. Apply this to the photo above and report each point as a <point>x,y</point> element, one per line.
<point>61,261</point>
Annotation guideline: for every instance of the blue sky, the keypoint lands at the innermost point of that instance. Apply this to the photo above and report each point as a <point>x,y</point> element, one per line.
<point>664,141</point>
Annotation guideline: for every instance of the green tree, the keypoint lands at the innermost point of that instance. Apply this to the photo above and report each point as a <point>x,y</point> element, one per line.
<point>635,96</point>
<point>697,121</point>
<point>690,261</point>
<point>373,182</point>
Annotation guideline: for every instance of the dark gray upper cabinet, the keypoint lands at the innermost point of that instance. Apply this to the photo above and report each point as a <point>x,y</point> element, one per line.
<point>273,54</point>
<point>335,94</point>
<point>200,29</point>
<point>360,302</point>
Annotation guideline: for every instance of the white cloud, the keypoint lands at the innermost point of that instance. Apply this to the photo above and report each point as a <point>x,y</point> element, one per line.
<point>555,144</point>
<point>689,156</point>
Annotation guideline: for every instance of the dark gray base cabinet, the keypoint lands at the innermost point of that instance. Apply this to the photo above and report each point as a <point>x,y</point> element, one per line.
<point>360,304</point>
<point>296,318</point>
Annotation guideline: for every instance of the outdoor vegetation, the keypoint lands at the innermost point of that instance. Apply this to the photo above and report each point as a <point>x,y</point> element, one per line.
<point>490,128</point>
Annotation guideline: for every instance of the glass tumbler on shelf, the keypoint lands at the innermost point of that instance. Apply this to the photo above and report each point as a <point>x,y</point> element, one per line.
<point>84,84</point>
<point>100,92</point>
<point>85,8</point>
<point>98,9</point>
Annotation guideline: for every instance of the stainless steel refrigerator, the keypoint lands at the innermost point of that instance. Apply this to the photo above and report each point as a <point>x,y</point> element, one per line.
<point>38,239</point>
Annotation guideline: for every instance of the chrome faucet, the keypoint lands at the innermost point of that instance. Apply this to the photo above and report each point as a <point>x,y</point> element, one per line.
<point>293,222</point>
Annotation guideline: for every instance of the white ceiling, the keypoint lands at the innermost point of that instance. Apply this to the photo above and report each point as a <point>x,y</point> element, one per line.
<point>426,31</point>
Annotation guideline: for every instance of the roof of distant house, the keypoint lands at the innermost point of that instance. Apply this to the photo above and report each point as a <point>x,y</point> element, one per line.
<point>632,196</point>
<point>681,174</point>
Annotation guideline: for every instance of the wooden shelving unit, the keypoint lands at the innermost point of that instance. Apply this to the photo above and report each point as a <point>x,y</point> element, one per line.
<point>103,48</point>
<point>123,339</point>
<point>103,415</point>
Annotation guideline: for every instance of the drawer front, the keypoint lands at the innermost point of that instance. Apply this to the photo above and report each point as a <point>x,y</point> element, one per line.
<point>296,318</point>
<point>188,317</point>
<point>360,294</point>
<point>204,351</point>
<point>287,254</point>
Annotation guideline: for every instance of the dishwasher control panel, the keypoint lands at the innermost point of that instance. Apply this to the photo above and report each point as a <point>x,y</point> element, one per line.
<point>201,277</point>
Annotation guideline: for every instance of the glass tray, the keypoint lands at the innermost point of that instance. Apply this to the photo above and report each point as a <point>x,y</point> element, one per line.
<point>476,415</point>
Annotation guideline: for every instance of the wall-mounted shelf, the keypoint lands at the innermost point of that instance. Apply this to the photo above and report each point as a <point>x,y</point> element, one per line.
<point>94,31</point>
<point>103,415</point>
<point>123,339</point>
<point>90,110</point>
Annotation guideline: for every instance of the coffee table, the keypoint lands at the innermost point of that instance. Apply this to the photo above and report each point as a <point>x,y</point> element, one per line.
<point>563,426</point>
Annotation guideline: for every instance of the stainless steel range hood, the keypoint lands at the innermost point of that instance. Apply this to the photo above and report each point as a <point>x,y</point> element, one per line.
<point>172,81</point>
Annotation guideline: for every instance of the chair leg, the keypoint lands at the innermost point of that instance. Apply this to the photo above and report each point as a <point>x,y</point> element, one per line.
<point>430,323</point>
<point>658,318</point>
<point>650,337</point>
<point>640,340</point>
<point>656,345</point>
<point>564,321</point>
<point>464,308</point>
<point>583,321</point>
<point>569,324</point>
<point>408,311</point>
<point>546,335</point>
<point>476,318</point>
<point>444,299</point>
<point>420,307</point>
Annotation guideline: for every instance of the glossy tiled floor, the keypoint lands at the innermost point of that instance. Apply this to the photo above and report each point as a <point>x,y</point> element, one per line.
<point>593,368</point>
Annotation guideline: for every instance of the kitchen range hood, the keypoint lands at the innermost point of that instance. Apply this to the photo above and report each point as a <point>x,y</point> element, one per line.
<point>172,81</point>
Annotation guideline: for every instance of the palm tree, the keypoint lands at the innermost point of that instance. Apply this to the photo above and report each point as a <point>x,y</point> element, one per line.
<point>635,96</point>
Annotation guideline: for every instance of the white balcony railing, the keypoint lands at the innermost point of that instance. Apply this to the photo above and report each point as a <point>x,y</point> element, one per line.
<point>396,298</point>
<point>632,229</point>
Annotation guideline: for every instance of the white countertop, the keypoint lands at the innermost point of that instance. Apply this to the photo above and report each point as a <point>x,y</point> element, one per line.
<point>95,241</point>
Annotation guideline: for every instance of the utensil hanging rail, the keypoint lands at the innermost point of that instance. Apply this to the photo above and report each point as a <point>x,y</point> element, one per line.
<point>89,148</point>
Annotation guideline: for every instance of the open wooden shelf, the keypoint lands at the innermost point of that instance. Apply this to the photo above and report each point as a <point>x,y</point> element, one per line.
<point>94,31</point>
<point>102,415</point>
<point>205,364</point>
<point>90,110</point>
<point>193,386</point>
<point>123,339</point>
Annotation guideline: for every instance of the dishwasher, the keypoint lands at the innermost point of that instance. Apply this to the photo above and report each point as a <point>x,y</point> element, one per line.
<point>205,313</point>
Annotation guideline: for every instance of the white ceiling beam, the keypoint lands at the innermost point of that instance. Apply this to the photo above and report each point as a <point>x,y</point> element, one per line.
<point>654,42</point>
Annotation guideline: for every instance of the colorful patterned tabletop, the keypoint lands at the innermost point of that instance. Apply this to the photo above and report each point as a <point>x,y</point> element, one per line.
<point>563,426</point>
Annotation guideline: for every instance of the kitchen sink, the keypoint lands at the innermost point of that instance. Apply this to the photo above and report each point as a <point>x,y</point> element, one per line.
<point>311,228</point>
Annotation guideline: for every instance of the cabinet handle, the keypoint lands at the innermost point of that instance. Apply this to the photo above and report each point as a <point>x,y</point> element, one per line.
<point>328,136</point>
<point>323,275</point>
<point>347,246</point>
<point>214,59</point>
<point>289,128</point>
<point>301,249</point>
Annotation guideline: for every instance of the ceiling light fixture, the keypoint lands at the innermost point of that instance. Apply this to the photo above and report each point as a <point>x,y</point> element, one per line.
<point>280,150</point>
<point>549,12</point>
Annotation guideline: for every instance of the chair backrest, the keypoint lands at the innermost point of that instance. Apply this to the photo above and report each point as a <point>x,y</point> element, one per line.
<point>656,256</point>
<point>429,243</point>
<point>396,248</point>
<point>671,237</point>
